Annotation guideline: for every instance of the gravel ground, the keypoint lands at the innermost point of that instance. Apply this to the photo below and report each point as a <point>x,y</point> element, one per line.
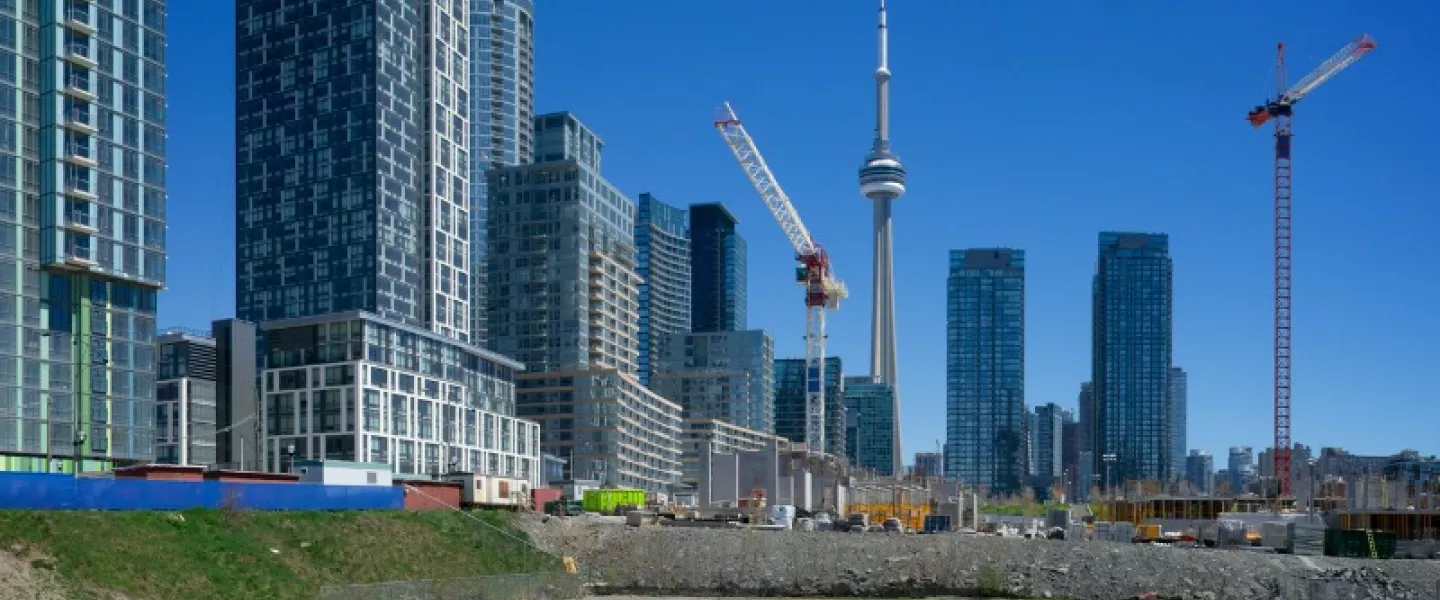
<point>719,562</point>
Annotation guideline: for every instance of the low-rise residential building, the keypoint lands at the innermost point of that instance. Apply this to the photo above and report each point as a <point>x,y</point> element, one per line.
<point>353,386</point>
<point>205,412</point>
<point>606,426</point>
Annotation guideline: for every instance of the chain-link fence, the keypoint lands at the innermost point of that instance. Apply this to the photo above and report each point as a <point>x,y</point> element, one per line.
<point>531,586</point>
<point>1350,588</point>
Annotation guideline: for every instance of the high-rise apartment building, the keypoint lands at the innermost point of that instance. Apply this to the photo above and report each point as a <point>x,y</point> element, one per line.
<point>929,464</point>
<point>724,383</point>
<point>1178,400</point>
<point>790,403</point>
<point>1132,339</point>
<point>334,217</point>
<point>718,263</point>
<point>565,300</point>
<point>564,291</point>
<point>1046,439</point>
<point>727,376</point>
<point>1070,454</point>
<point>662,243</point>
<point>985,368</point>
<point>1241,466</point>
<point>82,231</point>
<point>1200,472</point>
<point>872,402</point>
<point>502,116</point>
<point>353,233</point>
<point>1085,475</point>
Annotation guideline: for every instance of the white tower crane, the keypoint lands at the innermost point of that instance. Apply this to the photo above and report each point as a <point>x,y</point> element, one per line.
<point>822,291</point>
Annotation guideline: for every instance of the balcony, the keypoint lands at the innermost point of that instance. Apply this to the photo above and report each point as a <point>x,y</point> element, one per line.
<point>79,188</point>
<point>79,255</point>
<point>80,120</point>
<point>80,154</point>
<point>79,220</point>
<point>81,54</point>
<point>77,17</point>
<point>79,87</point>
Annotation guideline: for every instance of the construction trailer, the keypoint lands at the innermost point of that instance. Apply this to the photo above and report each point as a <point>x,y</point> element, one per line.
<point>491,491</point>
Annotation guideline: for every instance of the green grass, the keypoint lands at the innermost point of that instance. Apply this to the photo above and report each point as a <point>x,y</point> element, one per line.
<point>230,554</point>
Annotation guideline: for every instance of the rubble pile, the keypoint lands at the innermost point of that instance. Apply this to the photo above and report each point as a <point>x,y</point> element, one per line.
<point>736,562</point>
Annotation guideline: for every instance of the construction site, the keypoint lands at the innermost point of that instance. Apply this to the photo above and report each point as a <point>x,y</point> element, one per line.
<point>1335,535</point>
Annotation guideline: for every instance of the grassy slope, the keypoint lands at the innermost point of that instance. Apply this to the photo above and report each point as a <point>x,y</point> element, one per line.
<point>228,554</point>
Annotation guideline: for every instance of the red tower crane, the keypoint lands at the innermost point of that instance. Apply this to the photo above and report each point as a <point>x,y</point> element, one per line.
<point>1281,109</point>
<point>823,292</point>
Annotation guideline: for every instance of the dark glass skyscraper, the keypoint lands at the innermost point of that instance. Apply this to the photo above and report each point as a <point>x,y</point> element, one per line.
<point>502,113</point>
<point>1178,401</point>
<point>82,231</point>
<point>985,368</point>
<point>790,403</point>
<point>717,268</point>
<point>1132,351</point>
<point>870,408</point>
<point>352,181</point>
<point>662,246</point>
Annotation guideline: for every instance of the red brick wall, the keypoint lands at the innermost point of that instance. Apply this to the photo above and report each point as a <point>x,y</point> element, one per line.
<point>431,495</point>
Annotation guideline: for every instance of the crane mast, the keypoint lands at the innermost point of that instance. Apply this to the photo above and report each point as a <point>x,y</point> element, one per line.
<point>822,291</point>
<point>1280,110</point>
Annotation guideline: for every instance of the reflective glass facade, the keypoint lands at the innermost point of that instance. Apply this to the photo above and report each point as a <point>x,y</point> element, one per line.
<point>662,242</point>
<point>985,423</point>
<point>1131,354</point>
<point>1178,401</point>
<point>82,230</point>
<point>1046,443</point>
<point>502,110</point>
<point>718,263</point>
<point>872,404</point>
<point>352,161</point>
<point>790,402</point>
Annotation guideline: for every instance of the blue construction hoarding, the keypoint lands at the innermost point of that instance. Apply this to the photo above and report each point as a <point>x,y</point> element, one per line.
<point>43,491</point>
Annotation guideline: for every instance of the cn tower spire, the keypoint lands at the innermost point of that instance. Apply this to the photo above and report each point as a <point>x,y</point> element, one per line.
<point>882,181</point>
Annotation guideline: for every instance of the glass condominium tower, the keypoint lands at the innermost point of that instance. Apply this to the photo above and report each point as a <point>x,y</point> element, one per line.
<point>718,262</point>
<point>1131,358</point>
<point>985,369</point>
<point>502,114</point>
<point>352,166</point>
<point>662,245</point>
<point>82,231</point>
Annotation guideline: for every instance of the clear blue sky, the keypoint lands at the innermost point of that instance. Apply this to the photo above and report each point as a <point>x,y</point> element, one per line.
<point>1025,124</point>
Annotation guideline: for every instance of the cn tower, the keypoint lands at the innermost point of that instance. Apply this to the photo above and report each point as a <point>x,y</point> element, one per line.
<point>882,181</point>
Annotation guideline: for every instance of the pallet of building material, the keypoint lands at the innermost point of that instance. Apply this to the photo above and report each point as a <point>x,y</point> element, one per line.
<point>1275,534</point>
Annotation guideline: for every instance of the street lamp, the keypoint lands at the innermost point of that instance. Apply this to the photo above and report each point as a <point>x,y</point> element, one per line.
<point>79,442</point>
<point>290,452</point>
<point>78,391</point>
<point>1109,458</point>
